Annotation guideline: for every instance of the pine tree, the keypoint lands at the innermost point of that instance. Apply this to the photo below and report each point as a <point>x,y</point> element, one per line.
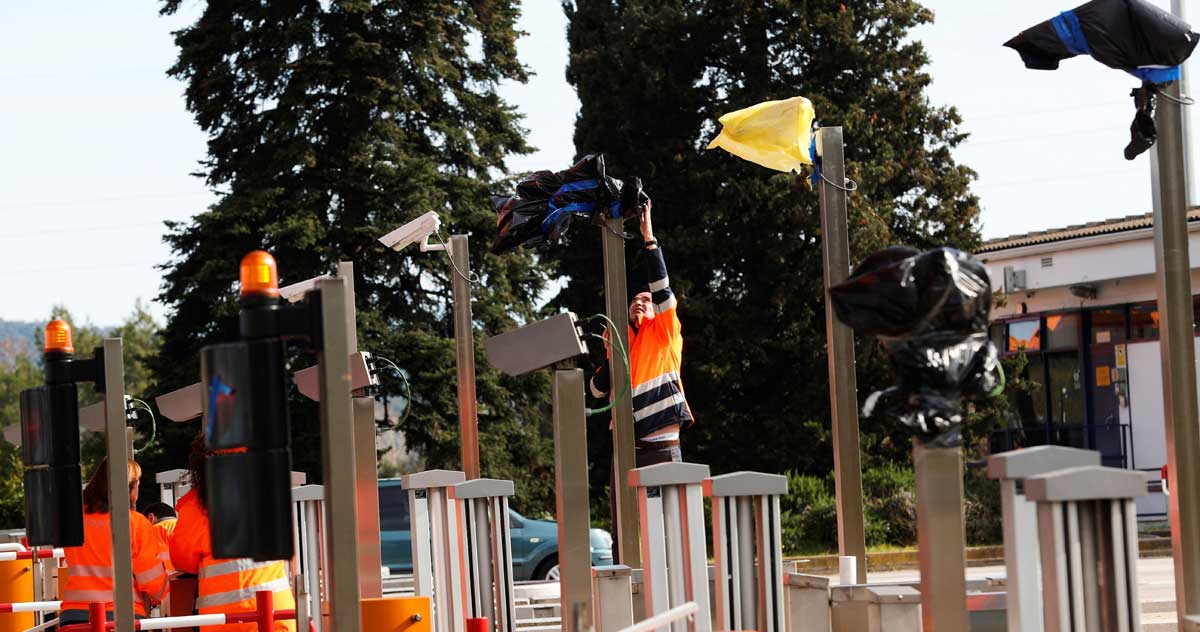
<point>330,123</point>
<point>743,243</point>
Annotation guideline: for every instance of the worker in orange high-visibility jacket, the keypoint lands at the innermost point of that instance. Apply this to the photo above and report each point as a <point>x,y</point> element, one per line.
<point>90,567</point>
<point>162,516</point>
<point>660,409</point>
<point>224,585</point>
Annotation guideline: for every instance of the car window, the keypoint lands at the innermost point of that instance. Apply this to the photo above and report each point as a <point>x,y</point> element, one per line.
<point>514,522</point>
<point>393,508</point>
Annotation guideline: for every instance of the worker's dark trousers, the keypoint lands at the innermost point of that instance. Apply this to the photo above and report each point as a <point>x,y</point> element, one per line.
<point>642,458</point>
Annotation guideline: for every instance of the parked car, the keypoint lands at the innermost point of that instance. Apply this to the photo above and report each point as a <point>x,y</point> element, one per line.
<point>534,542</point>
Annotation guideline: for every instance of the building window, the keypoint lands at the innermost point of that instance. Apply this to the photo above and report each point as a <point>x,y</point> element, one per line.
<point>1143,322</point>
<point>1108,325</point>
<point>1029,406</point>
<point>1062,331</point>
<point>1024,334</point>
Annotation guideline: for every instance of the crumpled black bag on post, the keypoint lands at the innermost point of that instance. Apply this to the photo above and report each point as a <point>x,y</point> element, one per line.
<point>1130,35</point>
<point>547,203</point>
<point>930,310</point>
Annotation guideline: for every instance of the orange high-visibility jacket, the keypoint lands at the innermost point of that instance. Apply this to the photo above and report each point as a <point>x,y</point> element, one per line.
<point>225,585</point>
<point>164,528</point>
<point>655,358</point>
<point>90,567</point>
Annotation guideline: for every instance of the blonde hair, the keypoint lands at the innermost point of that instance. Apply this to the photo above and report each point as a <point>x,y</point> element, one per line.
<point>95,494</point>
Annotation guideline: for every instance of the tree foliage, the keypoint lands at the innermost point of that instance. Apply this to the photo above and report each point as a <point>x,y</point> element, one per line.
<point>330,123</point>
<point>743,244</point>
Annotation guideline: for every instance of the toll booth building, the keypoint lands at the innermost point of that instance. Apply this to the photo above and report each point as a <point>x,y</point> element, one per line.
<point>1079,302</point>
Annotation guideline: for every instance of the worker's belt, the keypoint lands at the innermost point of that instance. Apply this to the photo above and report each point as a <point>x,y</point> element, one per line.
<point>656,445</point>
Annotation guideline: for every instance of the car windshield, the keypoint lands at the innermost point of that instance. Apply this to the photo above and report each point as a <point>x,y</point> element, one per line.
<point>393,508</point>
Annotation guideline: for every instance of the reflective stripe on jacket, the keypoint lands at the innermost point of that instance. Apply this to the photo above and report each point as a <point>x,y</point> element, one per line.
<point>89,567</point>
<point>225,585</point>
<point>164,528</point>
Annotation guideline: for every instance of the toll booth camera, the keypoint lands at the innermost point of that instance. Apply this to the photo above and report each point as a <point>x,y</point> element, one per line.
<point>536,345</point>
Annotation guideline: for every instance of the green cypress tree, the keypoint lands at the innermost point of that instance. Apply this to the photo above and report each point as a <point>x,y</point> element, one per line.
<point>743,243</point>
<point>330,123</point>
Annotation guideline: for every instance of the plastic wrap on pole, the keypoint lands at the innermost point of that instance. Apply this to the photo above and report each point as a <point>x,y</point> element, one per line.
<point>546,203</point>
<point>930,311</point>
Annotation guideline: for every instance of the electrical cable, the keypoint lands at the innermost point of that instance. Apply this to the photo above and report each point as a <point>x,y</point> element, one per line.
<point>407,389</point>
<point>472,278</point>
<point>1186,100</point>
<point>852,188</point>
<point>624,358</point>
<point>153,425</point>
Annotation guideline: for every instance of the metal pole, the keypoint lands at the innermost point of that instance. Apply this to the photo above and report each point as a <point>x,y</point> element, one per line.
<point>941,541</point>
<point>843,387</point>
<point>366,464</point>
<point>464,347</point>
<point>1168,169</point>
<point>616,301</point>
<point>118,482</point>
<point>337,446</point>
<point>571,491</point>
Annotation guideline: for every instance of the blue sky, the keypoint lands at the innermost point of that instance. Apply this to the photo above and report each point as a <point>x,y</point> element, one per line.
<point>96,145</point>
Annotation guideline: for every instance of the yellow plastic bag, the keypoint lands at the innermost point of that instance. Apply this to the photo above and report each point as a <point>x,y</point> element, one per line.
<point>774,134</point>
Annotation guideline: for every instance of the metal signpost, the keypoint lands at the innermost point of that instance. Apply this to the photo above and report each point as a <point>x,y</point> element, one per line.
<point>487,550</point>
<point>464,347</point>
<point>941,540</point>
<point>843,387</point>
<point>118,482</point>
<point>337,447</point>
<point>573,504</point>
<point>366,463</point>
<point>616,301</point>
<point>436,540</point>
<point>1176,341</point>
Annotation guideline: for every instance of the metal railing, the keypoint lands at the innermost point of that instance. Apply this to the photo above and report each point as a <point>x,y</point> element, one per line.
<point>1112,440</point>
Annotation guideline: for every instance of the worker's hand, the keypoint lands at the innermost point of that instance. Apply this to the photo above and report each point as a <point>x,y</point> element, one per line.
<point>647,227</point>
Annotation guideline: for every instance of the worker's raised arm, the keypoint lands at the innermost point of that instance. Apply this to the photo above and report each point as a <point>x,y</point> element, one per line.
<point>656,268</point>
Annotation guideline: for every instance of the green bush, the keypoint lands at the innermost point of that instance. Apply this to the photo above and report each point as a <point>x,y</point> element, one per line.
<point>809,511</point>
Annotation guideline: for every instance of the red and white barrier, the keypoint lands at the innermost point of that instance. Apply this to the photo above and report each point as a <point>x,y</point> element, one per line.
<point>31,606</point>
<point>43,554</point>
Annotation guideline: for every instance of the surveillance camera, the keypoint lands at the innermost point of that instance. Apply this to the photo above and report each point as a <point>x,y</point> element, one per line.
<point>295,292</point>
<point>415,231</point>
<point>183,404</point>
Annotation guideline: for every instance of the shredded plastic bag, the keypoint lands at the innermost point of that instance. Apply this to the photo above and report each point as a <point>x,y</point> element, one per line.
<point>930,311</point>
<point>774,134</point>
<point>546,203</point>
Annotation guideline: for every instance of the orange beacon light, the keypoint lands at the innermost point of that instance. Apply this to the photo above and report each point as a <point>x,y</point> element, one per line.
<point>58,337</point>
<point>259,275</point>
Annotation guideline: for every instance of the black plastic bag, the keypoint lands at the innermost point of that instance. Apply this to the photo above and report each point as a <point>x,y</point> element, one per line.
<point>547,203</point>
<point>930,310</point>
<point>1130,35</point>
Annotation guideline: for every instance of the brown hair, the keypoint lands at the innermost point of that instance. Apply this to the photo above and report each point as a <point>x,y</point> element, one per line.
<point>95,495</point>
